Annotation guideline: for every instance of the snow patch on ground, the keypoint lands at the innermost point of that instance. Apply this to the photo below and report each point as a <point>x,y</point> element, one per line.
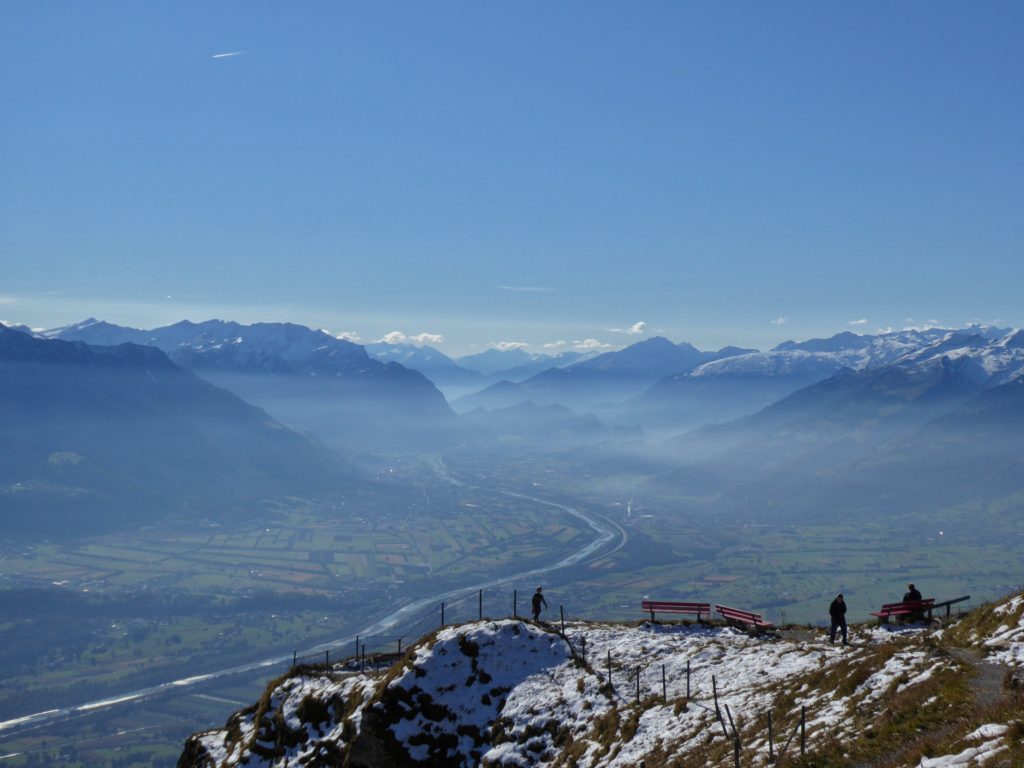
<point>992,746</point>
<point>223,750</point>
<point>1006,644</point>
<point>511,693</point>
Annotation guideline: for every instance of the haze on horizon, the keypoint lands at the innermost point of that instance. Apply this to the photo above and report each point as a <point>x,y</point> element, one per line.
<point>739,175</point>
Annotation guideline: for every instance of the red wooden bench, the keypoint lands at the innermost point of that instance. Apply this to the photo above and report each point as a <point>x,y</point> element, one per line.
<point>745,618</point>
<point>663,606</point>
<point>909,608</point>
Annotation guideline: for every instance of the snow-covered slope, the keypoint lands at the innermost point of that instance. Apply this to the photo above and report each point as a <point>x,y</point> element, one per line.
<point>1001,358</point>
<point>222,344</point>
<point>510,693</point>
<point>736,386</point>
<point>999,635</point>
<point>844,350</point>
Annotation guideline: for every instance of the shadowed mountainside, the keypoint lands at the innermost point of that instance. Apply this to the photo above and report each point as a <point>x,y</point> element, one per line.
<point>99,436</point>
<point>308,379</point>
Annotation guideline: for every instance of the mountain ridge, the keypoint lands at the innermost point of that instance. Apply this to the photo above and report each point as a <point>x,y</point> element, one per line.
<point>99,435</point>
<point>507,692</point>
<point>310,380</point>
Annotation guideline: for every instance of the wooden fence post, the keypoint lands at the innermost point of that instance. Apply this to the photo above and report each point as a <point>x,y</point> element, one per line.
<point>687,679</point>
<point>515,603</point>
<point>771,739</point>
<point>610,670</point>
<point>718,711</point>
<point>637,683</point>
<point>442,614</point>
<point>664,686</point>
<point>295,656</point>
<point>803,730</point>
<point>714,692</point>
<point>561,612</point>
<point>735,736</point>
<point>480,599</point>
<point>327,658</point>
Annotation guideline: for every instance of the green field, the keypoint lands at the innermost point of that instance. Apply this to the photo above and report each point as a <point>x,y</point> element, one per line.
<point>93,618</point>
<point>181,599</point>
<point>681,549</point>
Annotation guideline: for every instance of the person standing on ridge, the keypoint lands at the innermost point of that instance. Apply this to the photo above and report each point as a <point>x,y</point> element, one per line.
<point>837,611</point>
<point>538,598</point>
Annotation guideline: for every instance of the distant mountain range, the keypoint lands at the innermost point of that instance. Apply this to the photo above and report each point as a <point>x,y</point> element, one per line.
<point>605,379</point>
<point>97,436</point>
<point>381,397</point>
<point>738,385</point>
<point>432,363</point>
<point>309,379</point>
<point>939,427</point>
<point>473,372</point>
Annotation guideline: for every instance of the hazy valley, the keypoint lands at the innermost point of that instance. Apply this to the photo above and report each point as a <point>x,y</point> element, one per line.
<point>200,503</point>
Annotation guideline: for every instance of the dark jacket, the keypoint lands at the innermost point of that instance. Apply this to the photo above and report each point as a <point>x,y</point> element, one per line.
<point>538,598</point>
<point>837,610</point>
<point>912,595</point>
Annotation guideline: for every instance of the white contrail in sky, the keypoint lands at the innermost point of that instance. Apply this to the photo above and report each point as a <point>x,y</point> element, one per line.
<point>227,54</point>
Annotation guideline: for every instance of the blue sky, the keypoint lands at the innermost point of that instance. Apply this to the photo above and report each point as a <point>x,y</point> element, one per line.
<point>726,173</point>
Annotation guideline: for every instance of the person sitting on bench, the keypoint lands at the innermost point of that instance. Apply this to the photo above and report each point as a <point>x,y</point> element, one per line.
<point>913,596</point>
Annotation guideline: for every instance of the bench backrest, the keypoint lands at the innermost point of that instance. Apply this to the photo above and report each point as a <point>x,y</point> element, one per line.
<point>669,606</point>
<point>910,605</point>
<point>740,615</point>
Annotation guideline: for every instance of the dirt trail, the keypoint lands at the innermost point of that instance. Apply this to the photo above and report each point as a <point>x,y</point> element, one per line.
<point>987,680</point>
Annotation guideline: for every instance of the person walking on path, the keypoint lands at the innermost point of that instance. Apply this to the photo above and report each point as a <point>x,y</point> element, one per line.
<point>837,611</point>
<point>538,598</point>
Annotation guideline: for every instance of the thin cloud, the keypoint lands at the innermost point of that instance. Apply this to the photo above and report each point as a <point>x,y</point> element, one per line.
<point>508,346</point>
<point>227,54</point>
<point>555,344</point>
<point>778,321</point>
<point>526,288</point>
<point>348,336</point>
<point>427,338</point>
<point>862,321</point>
<point>587,345</point>
<point>927,325</point>
<point>397,337</point>
<point>636,329</point>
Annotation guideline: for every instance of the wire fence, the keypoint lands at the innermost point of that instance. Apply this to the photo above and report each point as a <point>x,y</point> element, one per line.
<point>627,679</point>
